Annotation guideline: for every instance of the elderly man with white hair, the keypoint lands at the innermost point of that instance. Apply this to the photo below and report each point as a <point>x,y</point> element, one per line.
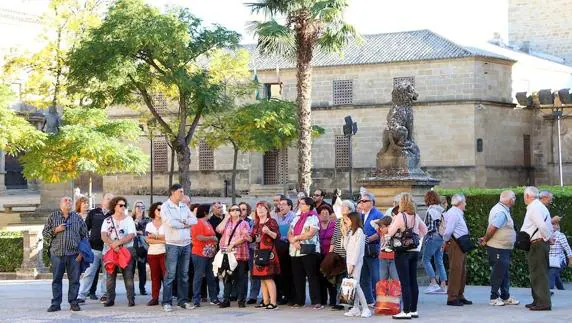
<point>499,239</point>
<point>370,270</point>
<point>456,227</point>
<point>537,224</point>
<point>546,198</point>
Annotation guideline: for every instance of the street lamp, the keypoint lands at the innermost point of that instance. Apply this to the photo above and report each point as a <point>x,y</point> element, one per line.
<point>150,127</point>
<point>350,129</point>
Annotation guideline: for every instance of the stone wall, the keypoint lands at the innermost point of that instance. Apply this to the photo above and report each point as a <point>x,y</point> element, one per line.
<point>545,24</point>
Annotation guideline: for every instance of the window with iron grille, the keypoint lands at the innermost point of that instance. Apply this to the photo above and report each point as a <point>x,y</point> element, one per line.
<point>160,102</point>
<point>206,156</point>
<point>160,155</point>
<point>397,80</point>
<point>343,92</point>
<point>342,152</point>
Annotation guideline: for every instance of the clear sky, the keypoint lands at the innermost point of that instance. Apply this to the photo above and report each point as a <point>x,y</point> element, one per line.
<point>464,21</point>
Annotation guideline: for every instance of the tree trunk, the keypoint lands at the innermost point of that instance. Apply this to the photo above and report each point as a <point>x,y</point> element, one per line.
<point>172,168</point>
<point>233,178</point>
<point>304,102</point>
<point>183,160</point>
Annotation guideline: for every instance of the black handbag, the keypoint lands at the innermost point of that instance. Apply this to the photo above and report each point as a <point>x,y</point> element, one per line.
<point>465,243</point>
<point>522,241</point>
<point>307,248</point>
<point>372,250</point>
<point>407,239</point>
<point>262,257</point>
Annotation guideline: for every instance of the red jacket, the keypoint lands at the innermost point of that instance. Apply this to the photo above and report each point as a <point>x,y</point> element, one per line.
<point>113,258</point>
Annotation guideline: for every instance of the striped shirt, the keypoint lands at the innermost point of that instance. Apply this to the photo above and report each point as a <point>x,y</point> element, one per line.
<point>65,243</point>
<point>433,218</point>
<point>337,240</point>
<point>560,247</point>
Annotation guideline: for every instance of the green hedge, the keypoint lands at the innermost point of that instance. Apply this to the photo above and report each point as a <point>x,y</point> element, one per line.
<point>479,203</point>
<point>12,250</point>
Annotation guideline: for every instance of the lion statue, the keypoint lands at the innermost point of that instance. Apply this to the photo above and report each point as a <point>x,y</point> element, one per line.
<point>399,150</point>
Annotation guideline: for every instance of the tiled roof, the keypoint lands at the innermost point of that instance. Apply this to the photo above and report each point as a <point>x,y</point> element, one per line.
<point>418,45</point>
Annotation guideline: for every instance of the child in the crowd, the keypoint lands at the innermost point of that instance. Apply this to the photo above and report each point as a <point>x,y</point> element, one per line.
<point>386,254</point>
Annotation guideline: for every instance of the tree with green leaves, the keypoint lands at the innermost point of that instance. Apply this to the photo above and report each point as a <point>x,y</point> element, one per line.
<point>45,71</point>
<point>261,126</point>
<point>138,51</point>
<point>16,133</point>
<point>88,141</point>
<point>307,24</point>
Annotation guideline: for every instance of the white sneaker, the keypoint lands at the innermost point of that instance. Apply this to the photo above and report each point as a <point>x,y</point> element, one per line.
<point>442,290</point>
<point>353,312</point>
<point>188,306</point>
<point>167,308</point>
<point>402,316</point>
<point>433,288</point>
<point>496,302</point>
<point>511,301</point>
<point>366,313</point>
<point>414,315</point>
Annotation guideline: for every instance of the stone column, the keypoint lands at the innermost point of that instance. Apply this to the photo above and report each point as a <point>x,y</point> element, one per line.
<point>2,173</point>
<point>32,263</point>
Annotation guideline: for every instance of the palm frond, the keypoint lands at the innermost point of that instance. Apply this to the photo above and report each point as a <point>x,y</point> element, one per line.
<point>335,37</point>
<point>269,7</point>
<point>274,38</point>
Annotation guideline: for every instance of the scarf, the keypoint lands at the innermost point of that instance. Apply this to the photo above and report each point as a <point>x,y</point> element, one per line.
<point>301,221</point>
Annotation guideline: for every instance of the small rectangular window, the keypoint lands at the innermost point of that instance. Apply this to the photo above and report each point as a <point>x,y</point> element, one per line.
<point>160,102</point>
<point>160,155</point>
<point>343,92</point>
<point>206,157</point>
<point>342,151</point>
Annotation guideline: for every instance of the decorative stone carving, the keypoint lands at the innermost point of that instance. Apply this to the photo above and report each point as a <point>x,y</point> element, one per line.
<point>32,263</point>
<point>52,121</point>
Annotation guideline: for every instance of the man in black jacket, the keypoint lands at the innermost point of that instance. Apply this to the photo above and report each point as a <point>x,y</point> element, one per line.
<point>94,220</point>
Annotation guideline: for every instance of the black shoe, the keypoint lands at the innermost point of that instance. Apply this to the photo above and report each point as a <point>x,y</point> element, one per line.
<point>241,304</point>
<point>530,305</point>
<point>251,301</point>
<point>75,307</point>
<point>80,301</point>
<point>224,304</point>
<point>338,308</point>
<point>131,303</point>
<point>54,308</point>
<point>455,303</point>
<point>143,292</point>
<point>103,299</point>
<point>93,297</point>
<point>540,308</point>
<point>233,299</point>
<point>466,302</point>
<point>271,307</point>
<point>109,303</point>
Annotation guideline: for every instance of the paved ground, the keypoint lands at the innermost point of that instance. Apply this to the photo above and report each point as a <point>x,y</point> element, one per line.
<point>27,301</point>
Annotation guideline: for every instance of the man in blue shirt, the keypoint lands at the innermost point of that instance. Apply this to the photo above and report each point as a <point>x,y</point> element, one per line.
<point>370,269</point>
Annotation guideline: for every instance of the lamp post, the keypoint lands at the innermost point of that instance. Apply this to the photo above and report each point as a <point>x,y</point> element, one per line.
<point>350,129</point>
<point>557,114</point>
<point>150,127</point>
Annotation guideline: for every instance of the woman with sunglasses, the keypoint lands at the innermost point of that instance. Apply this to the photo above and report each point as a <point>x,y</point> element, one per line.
<point>155,236</point>
<point>138,215</point>
<point>118,230</point>
<point>264,233</point>
<point>235,237</point>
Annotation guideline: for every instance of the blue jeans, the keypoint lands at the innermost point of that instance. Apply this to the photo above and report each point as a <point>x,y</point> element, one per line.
<point>177,267</point>
<point>554,277</point>
<point>89,275</point>
<point>499,260</point>
<point>432,248</point>
<point>61,264</point>
<point>254,282</point>
<point>203,266</point>
<point>369,277</point>
<point>388,270</point>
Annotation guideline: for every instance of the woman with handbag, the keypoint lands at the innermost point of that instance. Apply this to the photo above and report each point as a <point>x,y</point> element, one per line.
<point>155,236</point>
<point>266,263</point>
<point>407,230</point>
<point>118,231</point>
<point>354,243</point>
<point>235,237</point>
<point>202,255</point>
<point>327,227</point>
<point>305,253</point>
<point>138,215</point>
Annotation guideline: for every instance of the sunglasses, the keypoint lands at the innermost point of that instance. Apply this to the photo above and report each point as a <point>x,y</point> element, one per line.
<point>234,209</point>
<point>364,201</point>
<point>140,207</point>
<point>122,205</point>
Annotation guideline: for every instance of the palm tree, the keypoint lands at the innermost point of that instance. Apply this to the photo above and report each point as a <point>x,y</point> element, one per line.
<point>305,25</point>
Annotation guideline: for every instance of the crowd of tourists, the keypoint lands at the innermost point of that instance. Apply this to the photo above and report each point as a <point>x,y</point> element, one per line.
<point>276,249</point>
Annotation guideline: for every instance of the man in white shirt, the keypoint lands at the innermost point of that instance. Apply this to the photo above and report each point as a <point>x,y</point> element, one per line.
<point>177,219</point>
<point>537,224</point>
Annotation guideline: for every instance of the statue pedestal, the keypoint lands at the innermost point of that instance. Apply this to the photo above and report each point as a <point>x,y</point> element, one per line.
<point>386,187</point>
<point>32,263</point>
<point>50,195</point>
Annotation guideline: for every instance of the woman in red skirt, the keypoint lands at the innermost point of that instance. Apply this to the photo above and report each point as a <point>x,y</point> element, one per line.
<point>266,264</point>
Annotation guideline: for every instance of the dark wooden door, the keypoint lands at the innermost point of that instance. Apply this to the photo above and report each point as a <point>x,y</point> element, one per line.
<point>14,177</point>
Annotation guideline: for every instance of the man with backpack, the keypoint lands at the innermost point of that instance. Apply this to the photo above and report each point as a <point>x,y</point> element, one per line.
<point>499,239</point>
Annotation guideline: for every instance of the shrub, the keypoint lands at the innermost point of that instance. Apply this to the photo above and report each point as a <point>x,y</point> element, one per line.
<point>12,246</point>
<point>479,203</point>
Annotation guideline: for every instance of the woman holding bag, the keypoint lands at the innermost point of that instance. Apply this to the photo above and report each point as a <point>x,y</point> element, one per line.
<point>118,231</point>
<point>408,224</point>
<point>305,253</point>
<point>266,264</point>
